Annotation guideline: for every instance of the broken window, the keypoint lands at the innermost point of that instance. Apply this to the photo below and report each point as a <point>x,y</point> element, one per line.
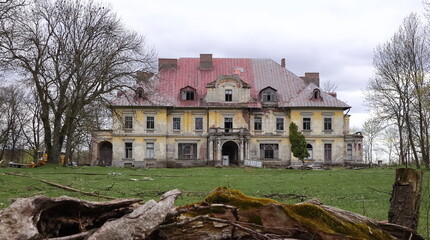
<point>228,95</point>
<point>257,123</point>
<point>187,150</point>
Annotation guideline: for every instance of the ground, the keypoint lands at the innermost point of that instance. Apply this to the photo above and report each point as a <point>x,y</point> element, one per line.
<point>365,191</point>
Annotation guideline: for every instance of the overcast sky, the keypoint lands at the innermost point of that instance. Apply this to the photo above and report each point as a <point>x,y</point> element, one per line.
<point>333,37</point>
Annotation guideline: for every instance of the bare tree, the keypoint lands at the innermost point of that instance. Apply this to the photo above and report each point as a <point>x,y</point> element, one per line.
<point>396,93</point>
<point>329,86</point>
<point>371,130</point>
<point>74,53</point>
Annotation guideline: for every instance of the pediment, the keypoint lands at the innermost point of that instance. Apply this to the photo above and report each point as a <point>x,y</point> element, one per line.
<point>228,80</point>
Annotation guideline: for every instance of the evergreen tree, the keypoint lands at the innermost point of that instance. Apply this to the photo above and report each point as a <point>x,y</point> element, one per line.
<point>298,143</point>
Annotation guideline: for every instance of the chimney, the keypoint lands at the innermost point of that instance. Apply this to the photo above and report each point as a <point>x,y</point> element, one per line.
<point>144,76</point>
<point>283,62</point>
<point>205,61</point>
<point>312,77</point>
<point>167,63</point>
<point>333,94</point>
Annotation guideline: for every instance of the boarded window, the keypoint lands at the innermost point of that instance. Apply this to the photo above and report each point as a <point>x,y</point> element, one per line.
<point>187,150</point>
<point>257,123</point>
<point>198,123</point>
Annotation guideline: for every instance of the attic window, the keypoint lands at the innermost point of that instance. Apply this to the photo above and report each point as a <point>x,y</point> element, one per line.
<point>139,92</point>
<point>188,94</point>
<point>316,94</point>
<point>268,95</point>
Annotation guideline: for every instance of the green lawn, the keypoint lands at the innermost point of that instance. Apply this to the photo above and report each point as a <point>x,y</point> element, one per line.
<point>365,191</point>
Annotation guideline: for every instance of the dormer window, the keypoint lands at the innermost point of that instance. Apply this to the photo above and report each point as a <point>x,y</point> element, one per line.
<point>139,92</point>
<point>228,95</point>
<point>316,94</point>
<point>268,95</point>
<point>188,94</point>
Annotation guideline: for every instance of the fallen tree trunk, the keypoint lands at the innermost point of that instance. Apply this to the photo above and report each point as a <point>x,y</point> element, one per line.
<point>223,214</point>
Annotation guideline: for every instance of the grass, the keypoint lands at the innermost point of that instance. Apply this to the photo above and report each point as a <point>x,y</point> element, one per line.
<point>365,191</point>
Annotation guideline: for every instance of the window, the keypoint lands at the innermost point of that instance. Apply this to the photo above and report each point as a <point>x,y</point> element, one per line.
<point>306,123</point>
<point>187,150</point>
<point>176,123</point>
<point>327,124</point>
<point>269,151</point>
<point>228,95</point>
<point>349,152</point>
<point>310,151</point>
<point>280,124</point>
<point>128,122</point>
<point>150,122</point>
<point>188,95</point>
<point>327,152</point>
<point>316,94</point>
<point>150,150</point>
<point>198,123</point>
<point>228,124</point>
<point>257,123</point>
<point>128,150</point>
<point>268,95</point>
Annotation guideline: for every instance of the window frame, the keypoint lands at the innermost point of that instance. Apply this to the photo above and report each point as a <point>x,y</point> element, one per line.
<point>268,95</point>
<point>176,123</point>
<point>229,122</point>
<point>228,95</point>
<point>128,122</point>
<point>150,124</point>
<point>307,124</point>
<point>258,123</point>
<point>269,151</point>
<point>150,151</point>
<point>328,151</point>
<point>328,124</point>
<point>198,125</point>
<point>188,95</point>
<point>128,148</point>
<point>280,126</point>
<point>187,151</point>
<point>349,152</point>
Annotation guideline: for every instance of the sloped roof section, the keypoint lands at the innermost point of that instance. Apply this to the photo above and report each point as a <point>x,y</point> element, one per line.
<point>164,89</point>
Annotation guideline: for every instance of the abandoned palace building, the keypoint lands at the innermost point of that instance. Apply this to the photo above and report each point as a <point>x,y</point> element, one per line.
<point>225,111</point>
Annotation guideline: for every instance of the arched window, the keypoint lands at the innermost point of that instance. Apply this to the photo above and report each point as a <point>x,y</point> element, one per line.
<point>268,95</point>
<point>139,92</point>
<point>310,151</point>
<point>316,94</point>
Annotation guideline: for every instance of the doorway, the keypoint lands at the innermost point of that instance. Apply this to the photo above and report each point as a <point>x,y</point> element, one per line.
<point>230,149</point>
<point>105,153</point>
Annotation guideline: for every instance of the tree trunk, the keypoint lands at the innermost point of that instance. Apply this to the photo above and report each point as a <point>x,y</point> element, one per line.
<point>405,198</point>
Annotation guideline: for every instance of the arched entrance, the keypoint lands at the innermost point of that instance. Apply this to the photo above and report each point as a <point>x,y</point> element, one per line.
<point>105,153</point>
<point>230,149</point>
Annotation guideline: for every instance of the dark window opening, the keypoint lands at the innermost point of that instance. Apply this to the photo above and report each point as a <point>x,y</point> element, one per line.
<point>128,150</point>
<point>228,95</point>
<point>327,124</point>
<point>280,124</point>
<point>188,95</point>
<point>306,123</point>
<point>150,122</point>
<point>269,151</point>
<point>228,124</point>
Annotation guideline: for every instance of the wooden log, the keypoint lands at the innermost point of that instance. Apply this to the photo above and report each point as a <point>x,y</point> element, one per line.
<point>405,198</point>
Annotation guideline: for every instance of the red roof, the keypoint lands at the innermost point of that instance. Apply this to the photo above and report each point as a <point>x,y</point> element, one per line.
<point>164,88</point>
